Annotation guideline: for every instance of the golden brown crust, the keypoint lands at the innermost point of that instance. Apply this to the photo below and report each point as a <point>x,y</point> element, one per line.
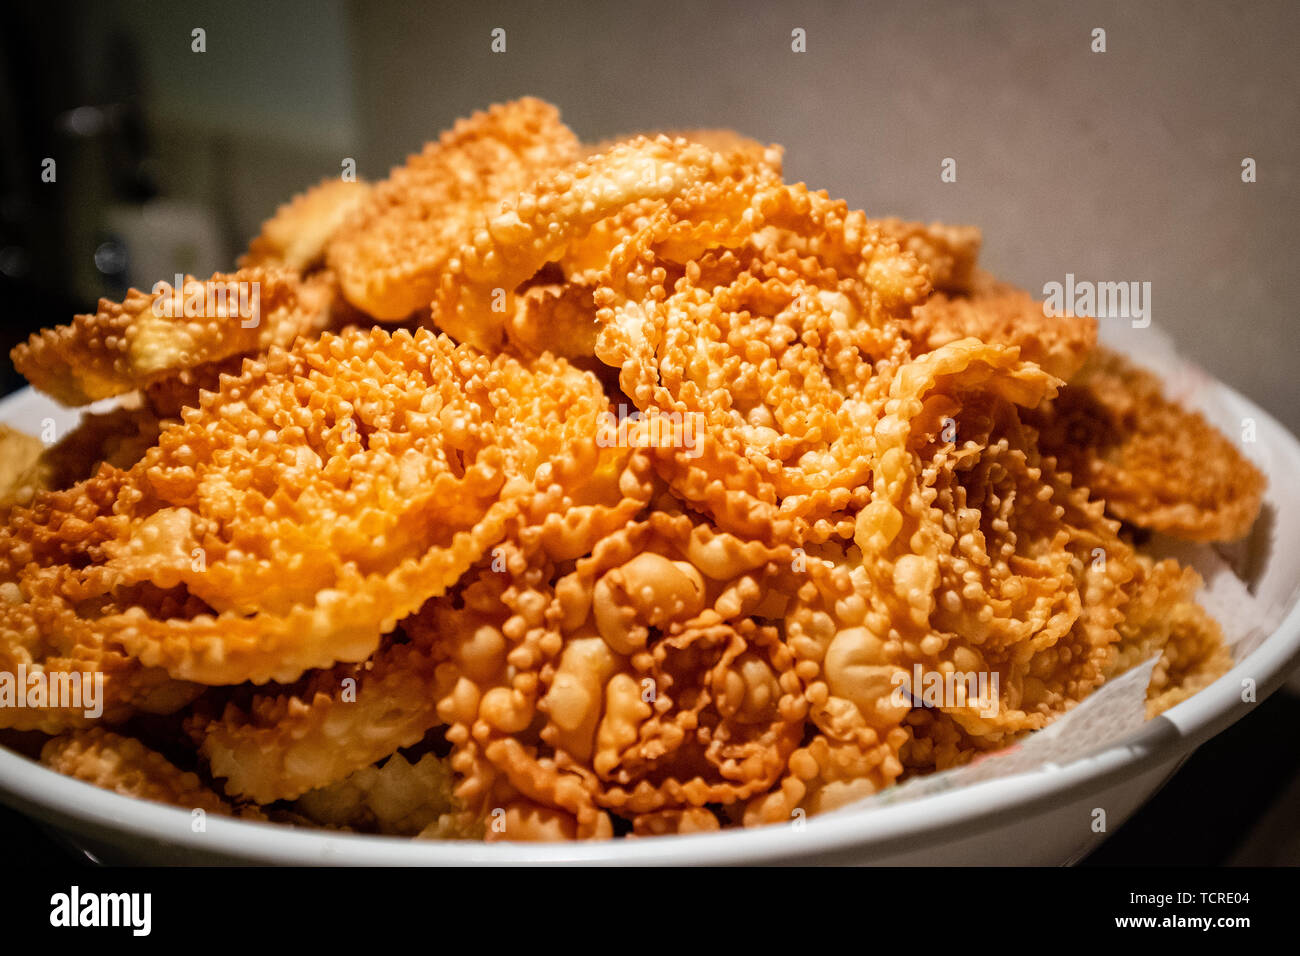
<point>391,254</point>
<point>1156,465</point>
<point>44,636</point>
<point>126,766</point>
<point>1162,617</point>
<point>130,345</point>
<point>770,358</point>
<point>719,139</point>
<point>949,253</point>
<point>673,585</point>
<point>549,673</point>
<point>119,437</point>
<point>21,474</point>
<point>309,505</point>
<point>558,211</point>
<point>287,741</point>
<point>1000,314</point>
<point>972,557</point>
<point>399,798</point>
<point>555,317</point>
<point>296,236</point>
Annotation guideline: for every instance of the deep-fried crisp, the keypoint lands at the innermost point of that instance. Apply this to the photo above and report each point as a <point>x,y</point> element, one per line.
<point>130,345</point>
<point>20,473</point>
<point>119,437</point>
<point>1001,314</point>
<point>639,682</point>
<point>313,502</point>
<point>289,740</point>
<point>391,255</point>
<point>399,798</point>
<point>977,557</point>
<point>949,253</point>
<point>766,355</point>
<point>1155,464</point>
<point>296,236</point>
<point>286,740</point>
<point>721,476</point>
<point>54,640</point>
<point>559,211</point>
<point>1162,617</point>
<point>718,139</point>
<point>126,766</point>
<point>557,317</point>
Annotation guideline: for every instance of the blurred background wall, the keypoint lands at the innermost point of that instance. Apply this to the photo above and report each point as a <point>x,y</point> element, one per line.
<point>1114,166</point>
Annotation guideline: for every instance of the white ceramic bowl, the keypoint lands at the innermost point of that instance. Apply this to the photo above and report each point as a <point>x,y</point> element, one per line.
<point>1040,817</point>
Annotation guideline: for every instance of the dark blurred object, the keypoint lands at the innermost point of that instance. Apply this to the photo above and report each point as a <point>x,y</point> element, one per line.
<point>34,88</point>
<point>72,142</point>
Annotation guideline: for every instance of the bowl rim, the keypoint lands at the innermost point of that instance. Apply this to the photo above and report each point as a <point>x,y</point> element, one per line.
<point>912,824</point>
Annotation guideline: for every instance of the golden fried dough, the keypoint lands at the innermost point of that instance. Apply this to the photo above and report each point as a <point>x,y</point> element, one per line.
<point>133,344</point>
<point>20,473</point>
<point>718,139</point>
<point>60,654</point>
<point>1001,314</point>
<point>512,244</point>
<point>330,724</point>
<point>311,503</point>
<point>1156,465</point>
<point>391,255</point>
<point>948,252</point>
<point>296,236</point>
<point>1162,617</point>
<point>126,766</point>
<point>973,556</point>
<point>768,358</point>
<point>672,498</point>
<point>567,702</point>
<point>399,798</point>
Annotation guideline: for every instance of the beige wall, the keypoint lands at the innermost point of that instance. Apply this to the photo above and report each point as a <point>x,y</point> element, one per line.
<point>234,131</point>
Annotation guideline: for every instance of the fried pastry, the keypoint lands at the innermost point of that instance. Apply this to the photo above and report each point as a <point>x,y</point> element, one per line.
<point>1001,314</point>
<point>949,253</point>
<point>768,357</point>
<point>564,494</point>
<point>126,766</point>
<point>391,254</point>
<point>387,464</point>
<point>296,236</point>
<point>1155,464</point>
<point>150,337</point>
<point>21,473</point>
